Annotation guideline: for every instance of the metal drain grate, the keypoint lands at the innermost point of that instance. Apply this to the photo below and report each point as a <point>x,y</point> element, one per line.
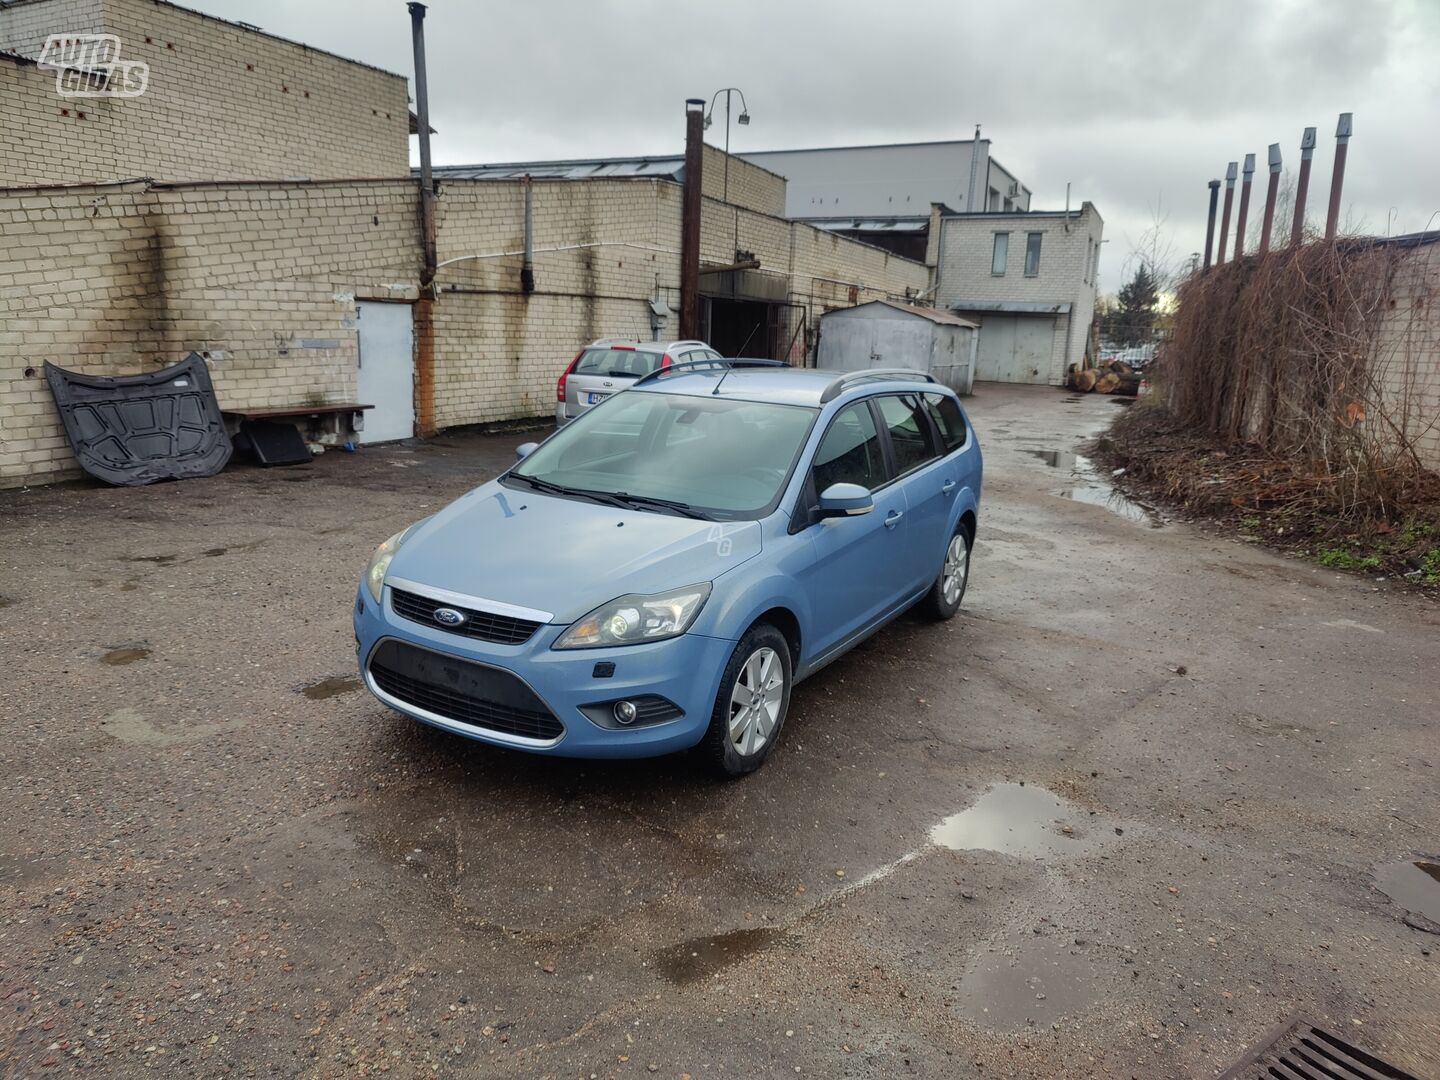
<point>1297,1050</point>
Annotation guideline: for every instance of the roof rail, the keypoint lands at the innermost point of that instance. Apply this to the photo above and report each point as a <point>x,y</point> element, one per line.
<point>714,364</point>
<point>850,378</point>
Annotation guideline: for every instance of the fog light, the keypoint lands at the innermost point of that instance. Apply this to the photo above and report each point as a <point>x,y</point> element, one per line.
<point>625,712</point>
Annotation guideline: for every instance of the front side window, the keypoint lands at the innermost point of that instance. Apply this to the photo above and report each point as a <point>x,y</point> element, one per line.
<point>909,434</point>
<point>850,452</point>
<point>1001,254</point>
<point>1032,253</point>
<point>717,457</point>
<point>949,422</point>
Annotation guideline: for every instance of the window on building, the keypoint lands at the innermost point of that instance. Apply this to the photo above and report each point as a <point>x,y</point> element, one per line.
<point>1032,253</point>
<point>1000,254</point>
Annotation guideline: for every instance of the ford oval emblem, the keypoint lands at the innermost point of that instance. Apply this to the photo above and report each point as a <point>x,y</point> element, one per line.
<point>448,616</point>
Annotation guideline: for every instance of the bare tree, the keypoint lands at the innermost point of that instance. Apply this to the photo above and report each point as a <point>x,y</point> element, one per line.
<point>1155,250</point>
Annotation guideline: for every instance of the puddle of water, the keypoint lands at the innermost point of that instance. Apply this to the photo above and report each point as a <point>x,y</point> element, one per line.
<point>160,560</point>
<point>1056,459</point>
<point>7,601</point>
<point>1021,820</point>
<point>121,657</point>
<point>1415,886</point>
<point>1112,500</point>
<point>331,687</point>
<point>1038,983</point>
<point>700,958</point>
<point>211,553</point>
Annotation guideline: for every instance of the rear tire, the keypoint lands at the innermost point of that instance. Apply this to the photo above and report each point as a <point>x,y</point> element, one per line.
<point>751,704</point>
<point>943,599</point>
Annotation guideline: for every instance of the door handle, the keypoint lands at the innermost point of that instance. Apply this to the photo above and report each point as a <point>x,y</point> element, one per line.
<point>947,487</point>
<point>893,518</point>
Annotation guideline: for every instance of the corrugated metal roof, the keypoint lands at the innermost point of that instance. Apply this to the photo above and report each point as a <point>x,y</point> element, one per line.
<point>1011,307</point>
<point>935,315</point>
<point>870,224</point>
<point>666,168</point>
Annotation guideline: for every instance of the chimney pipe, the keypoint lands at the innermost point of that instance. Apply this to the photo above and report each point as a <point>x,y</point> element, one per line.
<point>1302,185</point>
<point>1210,221</point>
<point>1230,172</point>
<point>1248,173</point>
<point>974,165</point>
<point>690,219</point>
<point>1270,193</point>
<point>527,263</point>
<point>1337,180</point>
<point>422,118</point>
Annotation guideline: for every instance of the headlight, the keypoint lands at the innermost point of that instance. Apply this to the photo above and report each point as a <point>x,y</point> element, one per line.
<point>380,562</point>
<point>632,620</point>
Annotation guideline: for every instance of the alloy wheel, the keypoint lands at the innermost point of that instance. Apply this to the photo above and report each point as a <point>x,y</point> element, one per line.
<point>957,565</point>
<point>755,701</point>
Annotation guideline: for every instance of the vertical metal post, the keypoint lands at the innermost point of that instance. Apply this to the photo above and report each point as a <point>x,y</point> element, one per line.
<point>1337,180</point>
<point>423,314</point>
<point>690,219</point>
<point>1270,193</point>
<point>1231,171</point>
<point>725,197</point>
<point>1248,174</point>
<point>1210,221</point>
<point>422,117</point>
<point>1302,185</point>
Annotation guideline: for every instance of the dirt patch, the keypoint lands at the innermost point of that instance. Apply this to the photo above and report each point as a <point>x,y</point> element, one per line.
<point>1288,504</point>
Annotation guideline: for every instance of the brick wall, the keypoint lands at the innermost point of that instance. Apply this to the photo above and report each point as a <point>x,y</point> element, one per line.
<point>1066,272</point>
<point>223,102</point>
<point>260,278</point>
<point>750,186</point>
<point>1407,355</point>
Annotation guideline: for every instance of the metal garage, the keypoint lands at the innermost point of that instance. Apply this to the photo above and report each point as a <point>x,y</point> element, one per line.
<point>888,334</point>
<point>1019,342</point>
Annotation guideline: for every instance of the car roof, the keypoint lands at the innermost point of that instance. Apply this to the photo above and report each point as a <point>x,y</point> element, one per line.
<point>644,346</point>
<point>782,385</point>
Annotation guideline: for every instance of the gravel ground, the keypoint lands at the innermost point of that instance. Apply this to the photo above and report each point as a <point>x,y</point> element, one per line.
<point>222,857</point>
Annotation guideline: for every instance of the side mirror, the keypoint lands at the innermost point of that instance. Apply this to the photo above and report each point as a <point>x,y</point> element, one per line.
<point>524,450</point>
<point>845,500</point>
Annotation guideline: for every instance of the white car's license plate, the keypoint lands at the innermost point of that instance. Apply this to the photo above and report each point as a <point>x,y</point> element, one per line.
<point>595,399</point>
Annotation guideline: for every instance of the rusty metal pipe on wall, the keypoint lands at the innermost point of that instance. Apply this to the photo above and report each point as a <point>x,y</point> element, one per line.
<point>690,219</point>
<point>1210,221</point>
<point>1337,179</point>
<point>1302,185</point>
<point>1231,171</point>
<point>1270,193</point>
<point>1249,174</point>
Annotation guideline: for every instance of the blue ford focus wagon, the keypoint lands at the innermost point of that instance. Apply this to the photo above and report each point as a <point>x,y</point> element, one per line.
<point>660,573</point>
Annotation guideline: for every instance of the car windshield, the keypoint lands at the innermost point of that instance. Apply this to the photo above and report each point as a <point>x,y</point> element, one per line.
<point>701,456</point>
<point>617,363</point>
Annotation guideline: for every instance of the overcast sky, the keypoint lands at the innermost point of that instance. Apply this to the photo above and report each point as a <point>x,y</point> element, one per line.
<point>1134,102</point>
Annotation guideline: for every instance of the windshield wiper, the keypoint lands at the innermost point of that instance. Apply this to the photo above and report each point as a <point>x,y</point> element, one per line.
<point>542,485</point>
<point>683,509</point>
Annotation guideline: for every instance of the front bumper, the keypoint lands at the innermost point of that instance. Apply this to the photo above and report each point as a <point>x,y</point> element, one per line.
<point>685,670</point>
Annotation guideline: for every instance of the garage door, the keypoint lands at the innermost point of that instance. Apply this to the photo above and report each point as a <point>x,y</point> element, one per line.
<point>1015,349</point>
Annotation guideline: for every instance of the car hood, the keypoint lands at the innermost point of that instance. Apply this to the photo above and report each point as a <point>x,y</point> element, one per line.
<point>565,556</point>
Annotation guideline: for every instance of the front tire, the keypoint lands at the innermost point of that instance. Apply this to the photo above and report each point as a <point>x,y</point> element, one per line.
<point>751,704</point>
<point>943,599</point>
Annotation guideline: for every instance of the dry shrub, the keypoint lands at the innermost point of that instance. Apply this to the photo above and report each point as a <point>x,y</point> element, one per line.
<point>1275,358</point>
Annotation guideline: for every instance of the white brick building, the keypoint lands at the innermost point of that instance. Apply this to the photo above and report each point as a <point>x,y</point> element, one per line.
<point>1028,279</point>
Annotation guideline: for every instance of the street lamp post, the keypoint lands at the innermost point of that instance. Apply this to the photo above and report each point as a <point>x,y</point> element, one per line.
<point>744,120</point>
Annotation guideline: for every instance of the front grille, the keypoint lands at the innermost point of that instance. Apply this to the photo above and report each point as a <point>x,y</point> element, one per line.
<point>483,625</point>
<point>474,694</point>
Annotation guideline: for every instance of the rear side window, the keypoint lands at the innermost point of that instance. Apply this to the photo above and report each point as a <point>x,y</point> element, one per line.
<point>618,362</point>
<point>909,433</point>
<point>850,452</point>
<point>945,411</point>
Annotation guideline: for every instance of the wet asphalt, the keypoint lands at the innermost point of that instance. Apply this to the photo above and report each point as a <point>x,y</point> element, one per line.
<point>1119,818</point>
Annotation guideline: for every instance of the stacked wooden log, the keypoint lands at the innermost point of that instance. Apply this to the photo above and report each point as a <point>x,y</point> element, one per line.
<point>1110,377</point>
